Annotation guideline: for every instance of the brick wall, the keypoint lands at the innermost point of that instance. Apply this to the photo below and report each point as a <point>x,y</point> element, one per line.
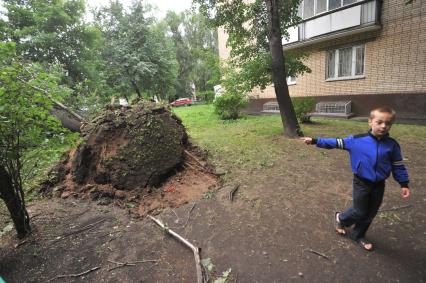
<point>395,58</point>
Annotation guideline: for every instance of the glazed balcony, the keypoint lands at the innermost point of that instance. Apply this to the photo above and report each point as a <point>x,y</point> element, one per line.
<point>329,19</point>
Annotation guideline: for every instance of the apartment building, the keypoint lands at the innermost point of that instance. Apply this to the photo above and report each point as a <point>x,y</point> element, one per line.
<point>368,52</point>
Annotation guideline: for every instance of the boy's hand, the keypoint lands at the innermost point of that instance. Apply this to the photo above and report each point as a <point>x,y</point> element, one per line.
<point>405,192</point>
<point>307,140</point>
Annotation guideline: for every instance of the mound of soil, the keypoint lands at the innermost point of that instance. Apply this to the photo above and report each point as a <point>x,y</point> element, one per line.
<point>130,147</point>
<point>127,154</point>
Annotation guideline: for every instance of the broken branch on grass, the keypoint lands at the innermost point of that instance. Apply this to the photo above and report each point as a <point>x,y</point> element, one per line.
<point>396,208</point>
<point>318,253</point>
<point>74,275</point>
<point>130,263</point>
<point>194,249</point>
<point>232,192</point>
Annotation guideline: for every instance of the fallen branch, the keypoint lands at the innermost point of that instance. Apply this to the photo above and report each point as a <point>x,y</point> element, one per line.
<point>194,158</point>
<point>194,249</point>
<point>74,275</point>
<point>318,253</point>
<point>189,215</point>
<point>200,165</point>
<point>131,263</point>
<point>57,103</point>
<point>232,192</point>
<point>34,216</point>
<point>20,243</point>
<point>87,227</point>
<point>396,208</point>
<point>190,166</point>
<point>176,215</point>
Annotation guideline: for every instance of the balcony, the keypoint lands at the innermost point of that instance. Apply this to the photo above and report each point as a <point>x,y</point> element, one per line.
<point>333,19</point>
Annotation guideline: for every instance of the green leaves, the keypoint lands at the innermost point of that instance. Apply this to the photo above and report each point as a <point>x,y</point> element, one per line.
<point>137,56</point>
<point>229,104</point>
<point>25,119</point>
<point>246,25</point>
<point>196,52</point>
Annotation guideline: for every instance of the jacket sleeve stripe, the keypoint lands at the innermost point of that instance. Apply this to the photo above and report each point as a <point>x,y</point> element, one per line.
<point>340,143</point>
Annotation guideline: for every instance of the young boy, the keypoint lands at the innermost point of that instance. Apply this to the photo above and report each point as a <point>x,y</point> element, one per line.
<point>373,156</point>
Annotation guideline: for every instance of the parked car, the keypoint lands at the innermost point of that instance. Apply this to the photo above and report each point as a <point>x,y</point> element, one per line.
<point>182,102</point>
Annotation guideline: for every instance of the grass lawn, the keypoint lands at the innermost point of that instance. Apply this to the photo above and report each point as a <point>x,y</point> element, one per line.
<point>255,142</point>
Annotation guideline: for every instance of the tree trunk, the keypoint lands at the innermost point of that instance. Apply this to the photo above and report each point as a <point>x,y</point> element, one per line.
<point>14,204</point>
<point>135,86</point>
<point>288,115</point>
<point>68,121</point>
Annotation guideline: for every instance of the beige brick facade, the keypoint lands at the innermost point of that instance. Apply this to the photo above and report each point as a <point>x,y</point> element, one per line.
<point>395,57</point>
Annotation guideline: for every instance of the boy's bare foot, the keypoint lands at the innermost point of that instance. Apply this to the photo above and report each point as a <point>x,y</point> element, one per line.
<point>366,245</point>
<point>337,225</point>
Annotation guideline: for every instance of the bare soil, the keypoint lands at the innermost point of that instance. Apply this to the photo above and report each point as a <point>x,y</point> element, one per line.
<point>278,228</point>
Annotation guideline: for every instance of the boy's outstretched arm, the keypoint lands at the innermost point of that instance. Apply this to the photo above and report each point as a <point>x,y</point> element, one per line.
<point>329,143</point>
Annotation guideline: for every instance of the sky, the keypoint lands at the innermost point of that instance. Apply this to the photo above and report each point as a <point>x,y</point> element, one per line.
<point>163,5</point>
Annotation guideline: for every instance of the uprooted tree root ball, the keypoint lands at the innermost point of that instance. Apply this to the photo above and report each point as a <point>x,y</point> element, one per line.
<point>137,156</point>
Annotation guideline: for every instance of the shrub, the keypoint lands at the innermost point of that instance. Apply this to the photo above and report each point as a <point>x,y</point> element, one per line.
<point>303,106</point>
<point>229,105</point>
<point>207,96</point>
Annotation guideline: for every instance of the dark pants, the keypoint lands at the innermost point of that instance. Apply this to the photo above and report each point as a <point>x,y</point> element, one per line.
<point>367,198</point>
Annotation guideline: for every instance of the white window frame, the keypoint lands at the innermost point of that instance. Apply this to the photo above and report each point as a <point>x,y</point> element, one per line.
<point>353,65</point>
<point>302,4</point>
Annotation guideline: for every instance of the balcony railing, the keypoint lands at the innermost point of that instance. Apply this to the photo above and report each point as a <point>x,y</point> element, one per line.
<point>354,18</point>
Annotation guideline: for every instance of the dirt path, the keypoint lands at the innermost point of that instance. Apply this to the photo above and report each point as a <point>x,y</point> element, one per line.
<point>280,218</point>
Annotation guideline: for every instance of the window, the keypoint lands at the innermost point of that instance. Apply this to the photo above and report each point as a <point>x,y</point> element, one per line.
<point>345,63</point>
<point>310,8</point>
<point>347,2</point>
<point>334,4</point>
<point>321,6</point>
<point>291,80</point>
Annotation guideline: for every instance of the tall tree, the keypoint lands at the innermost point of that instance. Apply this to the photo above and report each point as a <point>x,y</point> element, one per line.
<point>255,30</point>
<point>196,52</point>
<point>135,59</point>
<point>202,41</point>
<point>183,54</point>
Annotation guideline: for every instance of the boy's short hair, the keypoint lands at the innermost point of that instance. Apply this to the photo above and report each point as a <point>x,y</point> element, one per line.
<point>383,109</point>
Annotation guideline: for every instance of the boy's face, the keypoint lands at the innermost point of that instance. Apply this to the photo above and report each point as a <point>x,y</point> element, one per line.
<point>380,123</point>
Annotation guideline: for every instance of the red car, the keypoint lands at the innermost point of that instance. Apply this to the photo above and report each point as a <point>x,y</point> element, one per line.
<point>182,102</point>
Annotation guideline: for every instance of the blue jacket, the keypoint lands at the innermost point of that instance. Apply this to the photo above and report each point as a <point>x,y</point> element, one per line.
<point>371,158</point>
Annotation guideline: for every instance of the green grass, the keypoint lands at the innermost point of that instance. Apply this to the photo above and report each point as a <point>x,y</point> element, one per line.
<point>256,141</point>
<point>243,142</point>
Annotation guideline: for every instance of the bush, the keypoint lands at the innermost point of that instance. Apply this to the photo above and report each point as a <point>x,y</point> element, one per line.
<point>228,105</point>
<point>303,106</point>
<point>207,96</point>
